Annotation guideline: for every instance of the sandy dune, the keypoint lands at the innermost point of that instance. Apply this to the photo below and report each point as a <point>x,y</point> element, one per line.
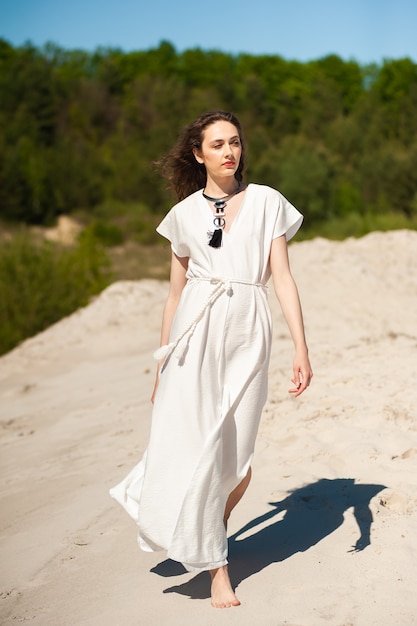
<point>327,531</point>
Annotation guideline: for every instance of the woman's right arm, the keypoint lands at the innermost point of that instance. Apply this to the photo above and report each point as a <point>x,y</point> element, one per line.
<point>177,281</point>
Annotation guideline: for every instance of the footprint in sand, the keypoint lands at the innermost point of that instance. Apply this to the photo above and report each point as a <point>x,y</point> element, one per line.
<point>408,454</point>
<point>393,501</point>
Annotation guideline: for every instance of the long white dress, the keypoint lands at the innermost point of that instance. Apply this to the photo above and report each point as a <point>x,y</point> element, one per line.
<point>213,383</point>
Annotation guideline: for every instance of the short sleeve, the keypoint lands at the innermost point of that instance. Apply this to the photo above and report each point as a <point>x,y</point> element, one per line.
<point>288,219</point>
<point>172,228</point>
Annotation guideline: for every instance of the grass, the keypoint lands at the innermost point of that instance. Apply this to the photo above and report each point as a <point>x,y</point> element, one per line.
<point>41,282</point>
<point>134,261</point>
<point>355,225</point>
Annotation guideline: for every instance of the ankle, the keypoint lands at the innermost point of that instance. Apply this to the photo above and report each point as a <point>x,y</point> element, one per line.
<point>219,572</point>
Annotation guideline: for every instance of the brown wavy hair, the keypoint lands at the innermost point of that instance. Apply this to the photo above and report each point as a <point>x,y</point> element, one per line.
<point>180,166</point>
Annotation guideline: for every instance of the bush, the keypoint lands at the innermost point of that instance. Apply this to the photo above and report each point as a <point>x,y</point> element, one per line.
<point>115,222</point>
<point>108,234</point>
<point>354,225</point>
<point>41,282</point>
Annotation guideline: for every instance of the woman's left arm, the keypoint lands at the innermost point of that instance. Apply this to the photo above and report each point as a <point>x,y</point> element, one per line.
<point>287,294</point>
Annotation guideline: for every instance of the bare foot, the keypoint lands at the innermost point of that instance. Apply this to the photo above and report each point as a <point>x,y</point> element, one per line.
<point>222,594</point>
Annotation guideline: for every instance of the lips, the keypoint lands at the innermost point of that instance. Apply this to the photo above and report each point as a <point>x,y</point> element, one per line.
<point>229,164</point>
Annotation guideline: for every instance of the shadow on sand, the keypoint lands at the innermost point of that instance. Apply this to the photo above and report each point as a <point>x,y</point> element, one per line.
<point>311,513</point>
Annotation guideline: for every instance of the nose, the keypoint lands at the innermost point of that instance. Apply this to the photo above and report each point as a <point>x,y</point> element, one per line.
<point>228,152</point>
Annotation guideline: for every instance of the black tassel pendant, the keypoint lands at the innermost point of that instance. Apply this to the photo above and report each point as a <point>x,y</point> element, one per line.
<point>219,220</point>
<point>216,238</point>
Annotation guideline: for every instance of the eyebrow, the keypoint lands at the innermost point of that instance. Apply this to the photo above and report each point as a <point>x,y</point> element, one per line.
<point>231,139</point>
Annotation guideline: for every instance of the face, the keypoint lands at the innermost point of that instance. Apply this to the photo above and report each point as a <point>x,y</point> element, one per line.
<point>221,150</point>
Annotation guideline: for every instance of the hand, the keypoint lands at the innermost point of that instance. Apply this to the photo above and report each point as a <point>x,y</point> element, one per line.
<point>302,374</point>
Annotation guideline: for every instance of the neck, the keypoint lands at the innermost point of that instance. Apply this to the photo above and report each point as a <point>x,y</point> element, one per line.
<point>218,189</point>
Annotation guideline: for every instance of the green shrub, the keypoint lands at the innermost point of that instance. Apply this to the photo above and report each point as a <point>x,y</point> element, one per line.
<point>108,234</point>
<point>143,231</point>
<point>355,225</point>
<point>41,282</point>
<point>115,223</point>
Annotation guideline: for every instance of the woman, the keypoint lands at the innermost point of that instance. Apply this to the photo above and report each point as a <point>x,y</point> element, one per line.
<point>227,238</point>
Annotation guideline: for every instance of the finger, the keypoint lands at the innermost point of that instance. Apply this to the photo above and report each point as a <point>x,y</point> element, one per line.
<point>298,385</point>
<point>301,381</point>
<point>296,379</point>
<point>298,390</point>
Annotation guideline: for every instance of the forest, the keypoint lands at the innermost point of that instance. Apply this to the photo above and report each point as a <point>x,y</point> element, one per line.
<point>81,133</point>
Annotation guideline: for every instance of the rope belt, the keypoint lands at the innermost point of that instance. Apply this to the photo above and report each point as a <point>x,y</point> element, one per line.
<point>221,285</point>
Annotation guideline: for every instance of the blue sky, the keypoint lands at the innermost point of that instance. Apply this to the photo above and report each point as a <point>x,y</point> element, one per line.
<point>363,30</point>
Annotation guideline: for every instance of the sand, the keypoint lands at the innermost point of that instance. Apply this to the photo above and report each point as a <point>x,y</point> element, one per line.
<point>326,533</point>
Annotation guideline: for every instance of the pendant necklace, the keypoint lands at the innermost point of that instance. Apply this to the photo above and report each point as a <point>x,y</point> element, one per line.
<point>219,220</point>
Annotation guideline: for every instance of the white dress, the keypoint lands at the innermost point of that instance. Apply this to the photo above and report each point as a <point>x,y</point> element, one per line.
<point>213,383</point>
